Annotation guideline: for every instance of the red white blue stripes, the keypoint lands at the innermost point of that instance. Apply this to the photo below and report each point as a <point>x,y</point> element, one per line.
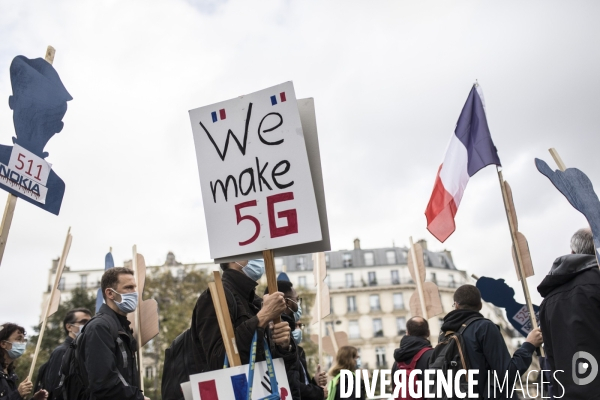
<point>470,149</point>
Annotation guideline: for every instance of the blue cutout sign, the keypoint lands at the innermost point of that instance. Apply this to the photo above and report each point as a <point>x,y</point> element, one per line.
<point>39,103</point>
<point>108,264</point>
<point>497,292</point>
<point>578,189</point>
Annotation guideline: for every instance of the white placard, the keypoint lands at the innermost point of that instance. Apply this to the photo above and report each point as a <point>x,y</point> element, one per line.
<point>218,384</point>
<point>254,173</point>
<point>26,173</point>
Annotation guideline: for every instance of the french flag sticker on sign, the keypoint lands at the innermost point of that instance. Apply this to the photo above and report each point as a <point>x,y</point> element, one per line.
<point>218,117</point>
<point>274,98</point>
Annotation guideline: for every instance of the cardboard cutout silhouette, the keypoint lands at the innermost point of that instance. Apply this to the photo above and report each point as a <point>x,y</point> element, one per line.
<point>39,103</point>
<point>497,292</point>
<point>578,189</point>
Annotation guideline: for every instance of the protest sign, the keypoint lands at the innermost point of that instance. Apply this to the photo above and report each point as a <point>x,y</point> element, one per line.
<point>255,175</point>
<point>229,383</point>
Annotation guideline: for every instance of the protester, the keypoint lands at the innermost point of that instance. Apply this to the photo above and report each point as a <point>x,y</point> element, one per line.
<point>107,346</point>
<point>49,379</point>
<point>570,317</point>
<point>310,389</point>
<point>249,314</point>
<point>345,359</point>
<point>415,348</point>
<point>12,345</point>
<point>484,345</point>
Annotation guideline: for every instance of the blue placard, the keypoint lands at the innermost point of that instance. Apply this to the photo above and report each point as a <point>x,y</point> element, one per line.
<point>39,103</point>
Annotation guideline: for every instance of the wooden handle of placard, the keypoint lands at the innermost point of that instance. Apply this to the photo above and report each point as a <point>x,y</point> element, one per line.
<point>222,310</point>
<point>271,275</point>
<point>557,159</point>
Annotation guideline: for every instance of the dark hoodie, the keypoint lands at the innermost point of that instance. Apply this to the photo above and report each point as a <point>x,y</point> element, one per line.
<point>570,320</point>
<point>409,347</point>
<point>487,351</point>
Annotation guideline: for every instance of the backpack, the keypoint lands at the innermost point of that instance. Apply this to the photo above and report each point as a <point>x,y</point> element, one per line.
<point>73,377</point>
<point>450,355</point>
<point>409,368</point>
<point>180,361</point>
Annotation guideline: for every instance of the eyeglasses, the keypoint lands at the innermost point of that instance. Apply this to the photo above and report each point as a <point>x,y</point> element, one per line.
<point>22,341</point>
<point>299,302</point>
<point>82,322</point>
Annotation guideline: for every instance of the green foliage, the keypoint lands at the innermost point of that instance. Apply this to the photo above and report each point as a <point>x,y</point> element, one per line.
<point>176,297</point>
<point>54,334</point>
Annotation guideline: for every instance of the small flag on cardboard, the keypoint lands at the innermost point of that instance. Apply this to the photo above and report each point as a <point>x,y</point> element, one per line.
<point>220,117</point>
<point>281,98</point>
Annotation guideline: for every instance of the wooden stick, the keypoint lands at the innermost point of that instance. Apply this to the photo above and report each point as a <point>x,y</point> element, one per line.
<point>521,272</point>
<point>217,292</point>
<point>46,314</point>
<point>317,266</point>
<point>334,342</point>
<point>418,279</point>
<point>271,275</point>
<point>11,201</point>
<point>557,159</point>
<point>138,323</point>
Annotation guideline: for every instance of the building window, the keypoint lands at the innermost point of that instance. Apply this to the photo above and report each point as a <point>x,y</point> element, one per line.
<point>390,256</point>
<point>372,278</point>
<point>380,357</point>
<point>349,280</point>
<point>149,372</point>
<point>374,302</point>
<point>369,259</point>
<point>347,260</point>
<point>83,281</point>
<point>300,263</point>
<point>401,325</point>
<point>328,281</point>
<point>452,281</point>
<point>353,330</point>
<point>278,264</point>
<point>398,301</point>
<point>302,281</point>
<point>395,277</point>
<point>377,327</point>
<point>330,305</point>
<point>433,277</point>
<point>351,302</point>
<point>327,260</point>
<point>180,274</point>
<point>61,283</point>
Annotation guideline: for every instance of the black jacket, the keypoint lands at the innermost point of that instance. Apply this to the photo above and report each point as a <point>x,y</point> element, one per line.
<point>487,351</point>
<point>409,347</point>
<point>310,390</point>
<point>239,289</point>
<point>107,359</point>
<point>51,378</point>
<point>8,386</point>
<point>570,319</point>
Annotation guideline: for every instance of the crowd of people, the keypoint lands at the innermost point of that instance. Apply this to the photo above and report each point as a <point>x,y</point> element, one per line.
<point>97,359</point>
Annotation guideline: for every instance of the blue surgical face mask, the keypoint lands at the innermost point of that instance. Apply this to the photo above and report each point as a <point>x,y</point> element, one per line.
<point>297,335</point>
<point>254,269</point>
<point>297,313</point>
<point>17,350</point>
<point>128,302</point>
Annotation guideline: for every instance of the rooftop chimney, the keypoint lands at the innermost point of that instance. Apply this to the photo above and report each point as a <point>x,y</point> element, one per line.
<point>357,244</point>
<point>423,243</point>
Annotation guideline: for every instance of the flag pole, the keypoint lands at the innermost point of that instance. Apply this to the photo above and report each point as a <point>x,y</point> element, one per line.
<point>517,253</point>
<point>418,279</point>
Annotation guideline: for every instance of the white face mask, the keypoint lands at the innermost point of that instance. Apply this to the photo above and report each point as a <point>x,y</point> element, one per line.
<point>78,331</point>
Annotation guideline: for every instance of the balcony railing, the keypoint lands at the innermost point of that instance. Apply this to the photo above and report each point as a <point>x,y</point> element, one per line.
<point>70,286</point>
<point>387,282</point>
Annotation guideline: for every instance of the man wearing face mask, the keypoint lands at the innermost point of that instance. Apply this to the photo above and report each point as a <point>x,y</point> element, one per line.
<point>310,389</point>
<point>107,347</point>
<point>74,320</point>
<point>249,313</point>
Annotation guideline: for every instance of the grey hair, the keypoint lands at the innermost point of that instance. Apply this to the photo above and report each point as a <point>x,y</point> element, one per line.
<point>582,242</point>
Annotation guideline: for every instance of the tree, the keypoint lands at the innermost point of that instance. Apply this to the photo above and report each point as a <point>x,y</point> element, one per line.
<point>176,297</point>
<point>54,334</point>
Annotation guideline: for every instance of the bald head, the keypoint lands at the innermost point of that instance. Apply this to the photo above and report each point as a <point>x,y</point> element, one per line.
<point>417,326</point>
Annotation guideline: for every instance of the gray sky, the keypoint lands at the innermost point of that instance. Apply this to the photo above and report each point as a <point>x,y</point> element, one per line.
<point>389,80</point>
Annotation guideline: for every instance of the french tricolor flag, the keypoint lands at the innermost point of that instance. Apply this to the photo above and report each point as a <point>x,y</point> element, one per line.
<point>470,149</point>
<point>281,98</point>
<point>218,117</point>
